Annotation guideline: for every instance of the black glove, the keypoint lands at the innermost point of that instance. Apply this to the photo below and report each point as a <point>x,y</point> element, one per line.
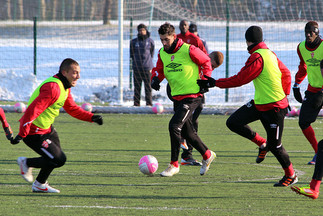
<point>97,119</point>
<point>16,140</point>
<point>203,90</point>
<point>205,84</point>
<point>8,132</point>
<point>297,93</point>
<point>155,83</point>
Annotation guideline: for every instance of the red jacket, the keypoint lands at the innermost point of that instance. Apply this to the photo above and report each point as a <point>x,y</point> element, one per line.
<point>49,93</point>
<point>253,67</point>
<point>197,56</point>
<point>191,38</point>
<point>302,70</point>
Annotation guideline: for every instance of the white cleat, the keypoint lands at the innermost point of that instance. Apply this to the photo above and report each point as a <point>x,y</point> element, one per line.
<point>206,163</point>
<point>25,171</point>
<point>170,171</point>
<point>43,188</point>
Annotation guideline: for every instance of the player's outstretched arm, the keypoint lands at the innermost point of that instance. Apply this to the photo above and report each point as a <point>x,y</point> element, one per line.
<point>208,83</point>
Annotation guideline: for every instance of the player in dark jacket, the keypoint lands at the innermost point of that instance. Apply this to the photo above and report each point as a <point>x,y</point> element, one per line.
<point>142,52</point>
<point>36,128</point>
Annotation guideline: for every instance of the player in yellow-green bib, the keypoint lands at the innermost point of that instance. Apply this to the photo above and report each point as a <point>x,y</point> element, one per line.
<point>182,65</point>
<point>310,53</point>
<point>37,131</point>
<point>272,81</point>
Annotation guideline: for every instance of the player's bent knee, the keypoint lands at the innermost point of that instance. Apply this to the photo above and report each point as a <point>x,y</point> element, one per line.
<point>303,125</point>
<point>232,125</point>
<point>60,161</point>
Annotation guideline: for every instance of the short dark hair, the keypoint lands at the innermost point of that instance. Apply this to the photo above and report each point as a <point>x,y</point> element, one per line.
<point>66,64</point>
<point>141,25</point>
<point>166,28</point>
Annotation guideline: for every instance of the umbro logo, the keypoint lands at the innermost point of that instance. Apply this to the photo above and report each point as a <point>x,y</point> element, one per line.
<point>172,67</point>
<point>313,62</point>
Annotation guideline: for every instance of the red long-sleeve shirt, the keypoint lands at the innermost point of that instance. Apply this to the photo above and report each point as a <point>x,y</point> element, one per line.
<point>197,56</point>
<point>302,69</point>
<point>49,93</point>
<point>252,69</point>
<point>191,38</point>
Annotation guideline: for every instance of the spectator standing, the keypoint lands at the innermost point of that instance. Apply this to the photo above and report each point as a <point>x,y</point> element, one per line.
<point>142,53</point>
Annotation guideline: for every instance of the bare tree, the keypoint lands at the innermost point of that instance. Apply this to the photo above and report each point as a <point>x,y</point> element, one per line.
<point>42,9</point>
<point>20,9</point>
<point>107,12</point>
<point>9,9</point>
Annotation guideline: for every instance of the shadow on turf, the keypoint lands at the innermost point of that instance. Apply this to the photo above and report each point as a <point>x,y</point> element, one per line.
<point>110,196</point>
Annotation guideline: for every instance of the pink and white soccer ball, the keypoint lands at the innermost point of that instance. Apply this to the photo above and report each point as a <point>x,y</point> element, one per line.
<point>148,164</point>
<point>20,107</point>
<point>87,107</point>
<point>158,108</point>
<point>293,112</point>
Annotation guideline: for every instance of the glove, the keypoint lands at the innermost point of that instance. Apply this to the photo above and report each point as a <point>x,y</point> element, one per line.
<point>97,119</point>
<point>205,84</point>
<point>203,90</point>
<point>16,140</point>
<point>155,83</point>
<point>297,93</point>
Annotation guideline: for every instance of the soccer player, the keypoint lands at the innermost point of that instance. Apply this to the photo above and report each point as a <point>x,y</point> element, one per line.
<point>189,37</point>
<point>193,29</point>
<point>5,125</point>
<point>313,189</point>
<point>37,131</point>
<point>272,83</point>
<point>179,63</point>
<point>310,53</point>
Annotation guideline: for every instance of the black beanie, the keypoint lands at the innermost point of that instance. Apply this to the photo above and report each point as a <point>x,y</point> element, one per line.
<point>140,26</point>
<point>312,26</point>
<point>254,34</point>
<point>193,28</point>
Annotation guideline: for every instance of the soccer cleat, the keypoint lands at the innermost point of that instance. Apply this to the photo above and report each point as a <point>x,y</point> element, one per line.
<point>9,133</point>
<point>43,188</point>
<point>191,162</point>
<point>170,171</point>
<point>312,162</point>
<point>286,181</point>
<point>184,144</point>
<point>306,191</point>
<point>206,163</point>
<point>261,155</point>
<point>25,171</point>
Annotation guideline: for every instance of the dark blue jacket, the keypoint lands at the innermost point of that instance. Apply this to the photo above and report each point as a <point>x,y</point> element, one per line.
<point>142,53</point>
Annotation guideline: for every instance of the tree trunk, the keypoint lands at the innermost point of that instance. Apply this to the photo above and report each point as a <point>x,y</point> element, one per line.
<point>9,9</point>
<point>20,9</point>
<point>107,12</point>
